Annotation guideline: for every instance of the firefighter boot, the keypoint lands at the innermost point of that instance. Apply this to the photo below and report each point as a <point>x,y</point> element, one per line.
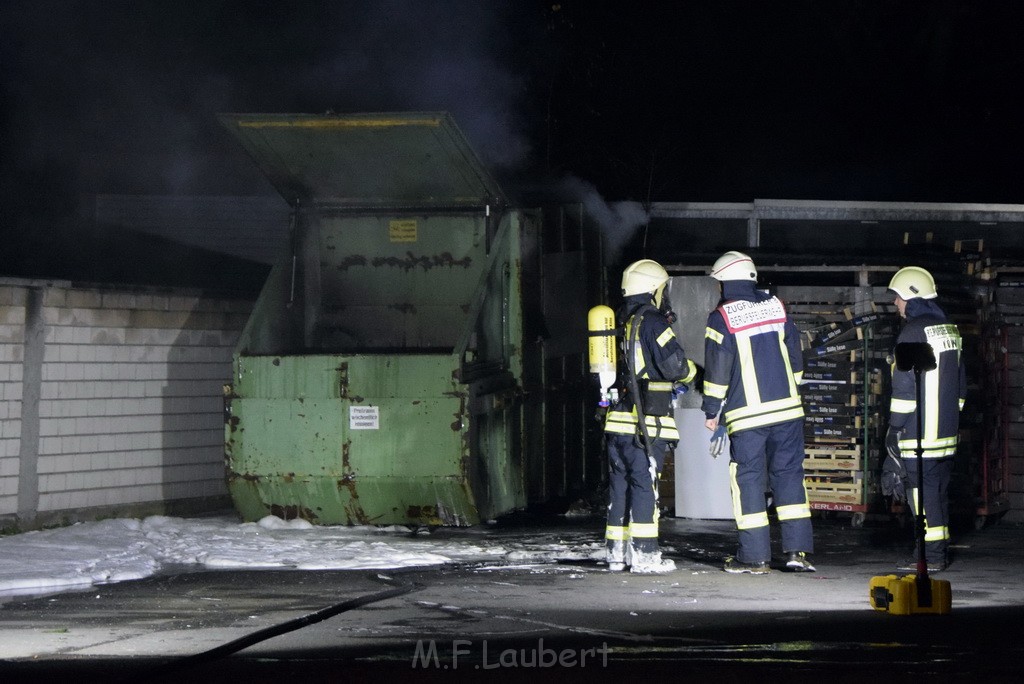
<point>650,563</point>
<point>735,566</point>
<point>799,562</point>
<point>616,555</point>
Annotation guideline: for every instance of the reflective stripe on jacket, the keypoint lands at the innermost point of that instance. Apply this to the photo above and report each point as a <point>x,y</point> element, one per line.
<point>943,389</point>
<point>752,361</point>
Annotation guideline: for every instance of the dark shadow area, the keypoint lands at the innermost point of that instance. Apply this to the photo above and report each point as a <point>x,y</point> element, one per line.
<point>192,417</point>
<point>842,646</point>
<point>113,255</point>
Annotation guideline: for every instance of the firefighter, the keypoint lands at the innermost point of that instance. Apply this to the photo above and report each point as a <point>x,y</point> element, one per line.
<point>654,368</point>
<point>753,366</point>
<point>942,397</point>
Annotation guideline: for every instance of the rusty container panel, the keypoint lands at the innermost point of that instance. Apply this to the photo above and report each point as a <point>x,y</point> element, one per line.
<point>384,281</point>
<point>349,439</point>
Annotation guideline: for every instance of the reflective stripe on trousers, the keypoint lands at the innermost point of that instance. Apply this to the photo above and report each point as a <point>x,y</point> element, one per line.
<point>770,459</point>
<point>633,492</point>
<point>937,474</point>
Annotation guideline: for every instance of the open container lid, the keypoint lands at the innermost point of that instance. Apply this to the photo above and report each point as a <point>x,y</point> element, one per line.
<point>406,159</point>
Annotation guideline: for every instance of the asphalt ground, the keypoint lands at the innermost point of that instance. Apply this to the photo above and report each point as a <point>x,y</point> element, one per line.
<point>559,618</point>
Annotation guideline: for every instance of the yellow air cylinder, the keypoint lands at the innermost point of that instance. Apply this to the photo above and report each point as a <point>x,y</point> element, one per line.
<point>601,336</point>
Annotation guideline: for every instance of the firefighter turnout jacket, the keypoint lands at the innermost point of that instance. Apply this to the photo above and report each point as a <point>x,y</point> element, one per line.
<point>762,389</point>
<point>943,389</point>
<point>651,349</point>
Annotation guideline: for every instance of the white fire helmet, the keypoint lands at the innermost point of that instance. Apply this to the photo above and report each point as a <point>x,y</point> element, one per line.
<point>644,276</point>
<point>734,266</point>
<point>913,281</point>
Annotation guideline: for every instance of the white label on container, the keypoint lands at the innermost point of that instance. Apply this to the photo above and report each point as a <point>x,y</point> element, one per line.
<point>363,418</point>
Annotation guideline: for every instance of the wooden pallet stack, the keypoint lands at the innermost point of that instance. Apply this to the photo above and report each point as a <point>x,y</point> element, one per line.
<point>841,399</point>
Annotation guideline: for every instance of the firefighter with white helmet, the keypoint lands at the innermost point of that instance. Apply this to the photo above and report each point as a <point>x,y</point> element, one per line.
<point>640,426</point>
<point>753,366</point>
<point>734,266</point>
<point>942,397</point>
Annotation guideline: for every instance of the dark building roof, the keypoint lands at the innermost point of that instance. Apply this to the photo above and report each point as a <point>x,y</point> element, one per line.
<point>254,228</point>
<point>116,255</point>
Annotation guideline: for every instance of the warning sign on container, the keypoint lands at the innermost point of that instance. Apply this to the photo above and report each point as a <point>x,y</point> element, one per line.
<point>403,230</point>
<point>363,418</point>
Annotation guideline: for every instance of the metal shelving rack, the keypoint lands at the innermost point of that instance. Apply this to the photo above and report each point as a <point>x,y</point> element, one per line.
<point>844,386</point>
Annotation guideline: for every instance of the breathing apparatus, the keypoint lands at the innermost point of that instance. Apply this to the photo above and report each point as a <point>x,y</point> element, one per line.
<point>601,336</point>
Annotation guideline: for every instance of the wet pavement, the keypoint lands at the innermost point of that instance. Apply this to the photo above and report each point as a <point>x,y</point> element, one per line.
<point>547,610</point>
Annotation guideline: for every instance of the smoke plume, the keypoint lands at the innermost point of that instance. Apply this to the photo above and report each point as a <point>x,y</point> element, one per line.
<point>618,221</point>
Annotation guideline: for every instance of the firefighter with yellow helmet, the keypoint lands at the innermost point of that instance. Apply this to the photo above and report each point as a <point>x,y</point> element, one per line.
<point>753,367</point>
<point>942,394</point>
<point>640,426</point>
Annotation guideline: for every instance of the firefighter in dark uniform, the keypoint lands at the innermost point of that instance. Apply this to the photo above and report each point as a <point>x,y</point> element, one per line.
<point>753,366</point>
<point>654,367</point>
<point>942,397</point>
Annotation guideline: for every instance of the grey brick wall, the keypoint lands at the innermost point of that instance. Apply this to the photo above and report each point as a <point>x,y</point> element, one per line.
<point>12,339</point>
<point>111,400</point>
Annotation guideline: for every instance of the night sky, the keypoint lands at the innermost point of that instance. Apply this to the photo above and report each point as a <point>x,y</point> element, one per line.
<point>645,101</point>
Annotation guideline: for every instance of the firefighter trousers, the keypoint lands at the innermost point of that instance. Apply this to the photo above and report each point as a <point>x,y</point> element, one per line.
<point>771,459</point>
<point>632,495</point>
<point>937,473</point>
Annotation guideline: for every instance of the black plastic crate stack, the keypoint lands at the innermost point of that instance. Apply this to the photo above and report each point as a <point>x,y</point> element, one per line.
<point>845,385</point>
<point>966,294</point>
<point>1004,362</point>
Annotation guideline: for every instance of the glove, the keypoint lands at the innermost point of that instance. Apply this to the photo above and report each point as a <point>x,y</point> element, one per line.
<point>892,442</point>
<point>894,473</point>
<point>717,441</point>
<point>678,390</point>
<point>600,412</point>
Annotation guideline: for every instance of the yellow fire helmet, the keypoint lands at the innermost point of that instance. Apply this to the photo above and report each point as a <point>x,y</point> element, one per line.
<point>643,276</point>
<point>913,281</point>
